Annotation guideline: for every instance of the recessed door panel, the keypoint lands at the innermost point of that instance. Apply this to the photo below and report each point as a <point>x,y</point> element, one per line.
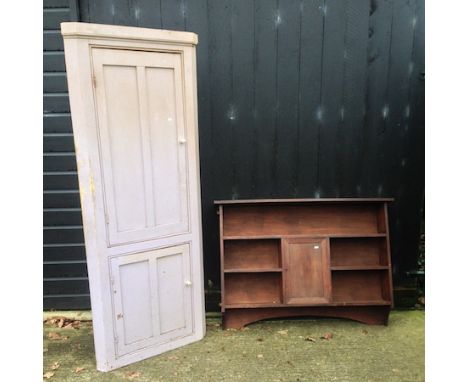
<point>307,277</point>
<point>142,142</point>
<point>152,294</point>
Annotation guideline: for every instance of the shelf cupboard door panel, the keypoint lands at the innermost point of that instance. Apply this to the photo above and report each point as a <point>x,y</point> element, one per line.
<point>134,113</point>
<point>307,278</point>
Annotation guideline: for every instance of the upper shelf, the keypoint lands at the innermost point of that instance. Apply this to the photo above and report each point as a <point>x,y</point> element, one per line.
<point>306,200</point>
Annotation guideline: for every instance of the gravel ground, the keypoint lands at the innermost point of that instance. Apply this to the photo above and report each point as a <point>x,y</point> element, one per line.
<point>278,350</point>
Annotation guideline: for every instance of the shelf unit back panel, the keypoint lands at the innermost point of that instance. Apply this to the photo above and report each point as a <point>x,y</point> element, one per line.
<point>358,251</point>
<point>361,286</point>
<point>247,254</point>
<point>302,219</point>
<point>252,288</point>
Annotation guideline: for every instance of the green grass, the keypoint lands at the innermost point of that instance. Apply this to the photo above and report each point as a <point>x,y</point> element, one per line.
<point>356,352</point>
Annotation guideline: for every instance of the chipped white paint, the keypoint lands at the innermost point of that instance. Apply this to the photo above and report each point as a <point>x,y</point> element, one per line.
<point>380,190</point>
<point>134,113</point>
<point>342,113</point>
<point>410,68</point>
<point>317,194</point>
<point>414,21</point>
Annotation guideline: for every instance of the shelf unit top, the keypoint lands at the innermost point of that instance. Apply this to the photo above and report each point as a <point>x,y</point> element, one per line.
<point>307,200</point>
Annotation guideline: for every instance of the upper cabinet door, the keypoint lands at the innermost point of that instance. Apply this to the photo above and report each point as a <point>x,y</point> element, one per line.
<point>140,113</point>
<point>307,278</point>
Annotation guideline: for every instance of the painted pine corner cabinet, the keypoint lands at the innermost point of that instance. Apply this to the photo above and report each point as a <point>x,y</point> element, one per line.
<point>134,113</point>
<point>305,257</point>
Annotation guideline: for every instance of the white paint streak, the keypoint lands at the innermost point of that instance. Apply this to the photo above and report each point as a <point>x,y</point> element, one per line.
<point>319,113</point>
<point>278,19</point>
<point>407,111</point>
<point>342,113</point>
<point>317,194</point>
<point>385,111</point>
<point>232,114</point>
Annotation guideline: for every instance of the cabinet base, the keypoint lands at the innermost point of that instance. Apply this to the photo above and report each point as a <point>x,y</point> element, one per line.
<point>371,315</point>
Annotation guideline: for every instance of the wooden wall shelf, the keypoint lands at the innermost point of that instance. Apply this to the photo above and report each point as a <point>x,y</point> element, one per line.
<point>296,257</point>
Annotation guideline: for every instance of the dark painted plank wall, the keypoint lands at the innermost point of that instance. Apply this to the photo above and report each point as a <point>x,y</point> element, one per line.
<point>65,274</point>
<point>300,98</point>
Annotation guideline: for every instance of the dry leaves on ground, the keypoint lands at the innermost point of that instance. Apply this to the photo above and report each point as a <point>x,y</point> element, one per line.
<point>54,336</point>
<point>327,336</point>
<point>133,374</point>
<point>259,355</point>
<point>63,322</point>
<point>311,339</point>
<point>79,369</point>
<point>282,332</point>
<point>55,366</point>
<point>48,375</point>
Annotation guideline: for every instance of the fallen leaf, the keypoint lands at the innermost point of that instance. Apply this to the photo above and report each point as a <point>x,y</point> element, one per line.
<point>55,366</point>
<point>48,375</point>
<point>79,369</point>
<point>364,331</point>
<point>259,339</point>
<point>282,332</point>
<point>259,355</point>
<point>172,357</point>
<point>60,323</point>
<point>133,374</point>
<point>311,339</point>
<point>327,336</point>
<point>54,336</point>
<point>290,363</point>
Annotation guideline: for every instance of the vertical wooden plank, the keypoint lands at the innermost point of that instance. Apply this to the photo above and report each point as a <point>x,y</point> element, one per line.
<point>174,14</point>
<point>266,70</point>
<point>378,54</point>
<point>197,21</point>
<point>101,12</point>
<point>332,90</point>
<point>241,111</point>
<point>349,154</point>
<point>396,133</point>
<point>289,40</point>
<point>145,13</point>
<point>310,88</point>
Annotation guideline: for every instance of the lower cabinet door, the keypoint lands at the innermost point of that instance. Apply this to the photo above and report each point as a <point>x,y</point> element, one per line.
<point>307,277</point>
<point>152,298</point>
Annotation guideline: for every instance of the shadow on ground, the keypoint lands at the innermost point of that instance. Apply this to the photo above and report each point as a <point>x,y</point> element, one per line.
<point>291,350</point>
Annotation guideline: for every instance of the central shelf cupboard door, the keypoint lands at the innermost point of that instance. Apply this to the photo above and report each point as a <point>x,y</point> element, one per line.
<point>307,277</point>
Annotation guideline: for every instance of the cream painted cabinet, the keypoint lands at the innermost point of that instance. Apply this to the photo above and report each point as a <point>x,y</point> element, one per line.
<point>133,104</point>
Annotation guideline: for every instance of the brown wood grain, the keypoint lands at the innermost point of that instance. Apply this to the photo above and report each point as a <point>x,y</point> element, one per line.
<point>309,219</point>
<point>307,271</point>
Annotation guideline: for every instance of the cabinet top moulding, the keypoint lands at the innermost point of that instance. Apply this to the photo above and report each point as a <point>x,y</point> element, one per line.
<point>314,200</point>
<point>102,31</point>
